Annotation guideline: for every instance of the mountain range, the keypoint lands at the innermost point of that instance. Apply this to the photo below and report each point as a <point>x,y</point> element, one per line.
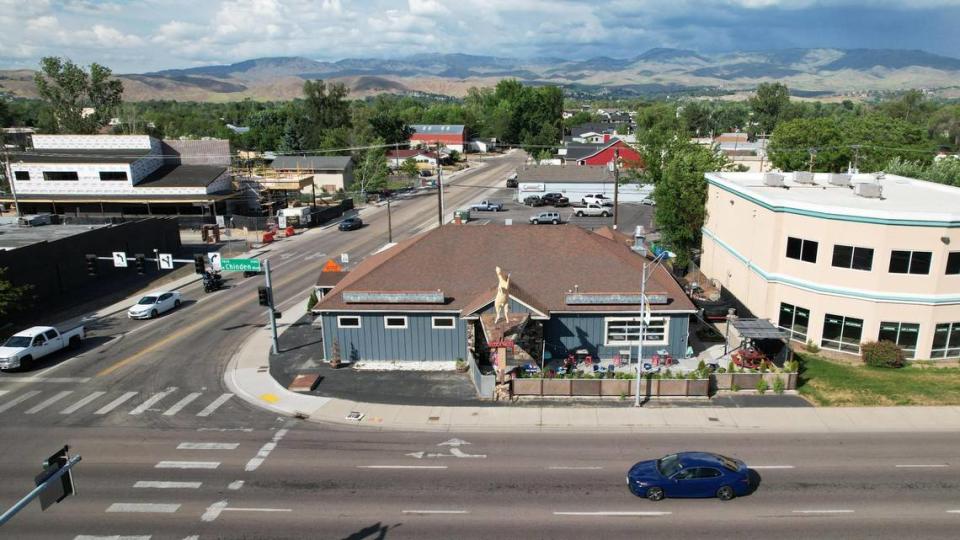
<point>815,72</point>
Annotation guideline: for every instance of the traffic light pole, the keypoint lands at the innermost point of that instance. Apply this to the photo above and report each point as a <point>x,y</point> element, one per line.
<point>270,312</point>
<point>29,497</point>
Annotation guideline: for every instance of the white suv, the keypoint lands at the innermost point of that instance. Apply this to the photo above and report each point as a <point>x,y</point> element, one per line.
<point>546,217</point>
<point>594,210</point>
<point>599,199</point>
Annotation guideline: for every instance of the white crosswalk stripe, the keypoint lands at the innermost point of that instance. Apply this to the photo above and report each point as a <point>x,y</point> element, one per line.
<point>82,403</point>
<point>115,403</point>
<point>49,401</point>
<point>2,392</point>
<point>178,406</point>
<point>152,401</point>
<point>215,405</point>
<point>18,400</point>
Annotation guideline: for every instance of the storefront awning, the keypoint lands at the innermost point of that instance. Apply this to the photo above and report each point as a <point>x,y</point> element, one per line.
<point>758,329</point>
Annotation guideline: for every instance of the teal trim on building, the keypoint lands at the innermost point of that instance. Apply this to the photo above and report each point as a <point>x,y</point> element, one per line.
<point>934,300</point>
<point>833,216</point>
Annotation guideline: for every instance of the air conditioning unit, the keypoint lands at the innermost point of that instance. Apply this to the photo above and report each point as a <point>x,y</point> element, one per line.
<point>868,190</point>
<point>803,177</point>
<point>839,179</point>
<point>773,179</point>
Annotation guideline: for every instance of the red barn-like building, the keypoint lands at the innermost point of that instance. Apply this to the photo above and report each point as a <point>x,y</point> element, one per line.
<point>602,154</point>
<point>452,136</point>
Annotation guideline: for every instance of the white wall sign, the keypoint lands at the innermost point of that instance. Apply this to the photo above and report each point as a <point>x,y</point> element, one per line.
<point>214,259</point>
<point>344,258</point>
<point>532,187</point>
<point>166,261</point>
<point>119,259</point>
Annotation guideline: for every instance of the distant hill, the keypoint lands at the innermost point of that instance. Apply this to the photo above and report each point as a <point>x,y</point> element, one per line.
<point>813,72</point>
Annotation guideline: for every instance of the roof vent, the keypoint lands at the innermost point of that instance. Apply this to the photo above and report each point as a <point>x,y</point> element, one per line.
<point>868,190</point>
<point>839,179</point>
<point>773,179</point>
<point>803,177</point>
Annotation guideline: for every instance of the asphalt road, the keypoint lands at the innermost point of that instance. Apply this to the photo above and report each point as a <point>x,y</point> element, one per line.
<point>169,453</point>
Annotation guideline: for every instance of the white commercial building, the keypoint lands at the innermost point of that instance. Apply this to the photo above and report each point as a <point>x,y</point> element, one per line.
<point>576,182</point>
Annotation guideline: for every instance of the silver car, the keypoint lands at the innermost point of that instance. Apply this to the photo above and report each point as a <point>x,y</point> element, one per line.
<point>153,304</point>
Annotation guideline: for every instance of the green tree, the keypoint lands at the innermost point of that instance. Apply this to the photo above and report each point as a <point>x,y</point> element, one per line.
<point>577,119</point>
<point>768,105</point>
<point>409,168</point>
<point>792,142</point>
<point>391,128</point>
<point>454,156</point>
<point>11,296</point>
<point>372,170</point>
<point>945,124</point>
<point>68,90</point>
<point>681,196</point>
<point>326,108</point>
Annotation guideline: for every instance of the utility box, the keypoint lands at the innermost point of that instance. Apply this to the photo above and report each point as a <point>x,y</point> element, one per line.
<point>461,216</point>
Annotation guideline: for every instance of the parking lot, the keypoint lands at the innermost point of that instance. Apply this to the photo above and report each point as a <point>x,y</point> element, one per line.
<point>631,214</point>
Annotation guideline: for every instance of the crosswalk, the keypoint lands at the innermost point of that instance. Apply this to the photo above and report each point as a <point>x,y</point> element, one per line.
<point>168,402</point>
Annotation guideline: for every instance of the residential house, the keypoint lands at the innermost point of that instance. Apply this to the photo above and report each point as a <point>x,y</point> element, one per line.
<point>423,158</point>
<point>482,145</point>
<point>837,259</point>
<point>575,183</point>
<point>600,153</point>
<point>451,136</point>
<point>429,300</point>
<point>330,173</point>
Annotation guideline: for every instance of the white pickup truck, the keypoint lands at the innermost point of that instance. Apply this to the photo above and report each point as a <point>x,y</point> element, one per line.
<point>594,210</point>
<point>28,346</point>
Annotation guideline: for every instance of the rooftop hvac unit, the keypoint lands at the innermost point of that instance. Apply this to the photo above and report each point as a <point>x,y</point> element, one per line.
<point>868,190</point>
<point>839,179</point>
<point>773,179</point>
<point>803,177</point>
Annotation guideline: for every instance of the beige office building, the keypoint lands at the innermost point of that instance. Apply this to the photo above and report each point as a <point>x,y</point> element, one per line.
<point>839,260</point>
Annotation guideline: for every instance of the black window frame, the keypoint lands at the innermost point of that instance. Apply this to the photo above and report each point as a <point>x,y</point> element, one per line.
<point>17,176</point>
<point>847,257</point>
<point>341,319</point>
<point>898,330</point>
<point>795,334</point>
<point>48,174</point>
<point>953,263</point>
<point>801,249</point>
<point>949,346</point>
<point>124,179</point>
<point>840,343</point>
<point>913,265</point>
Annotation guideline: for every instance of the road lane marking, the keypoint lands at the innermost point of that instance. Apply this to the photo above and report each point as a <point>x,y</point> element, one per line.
<point>401,466</point>
<point>614,514</point>
<point>265,450</point>
<point>18,400</point>
<point>153,400</point>
<point>149,484</point>
<point>243,429</point>
<point>762,467</point>
<point>228,509</point>
<point>187,465</point>
<point>920,466</point>
<point>215,405</point>
<point>178,406</point>
<point>115,403</point>
<point>436,511</point>
<point>823,511</point>
<point>144,508</point>
<point>83,402</point>
<point>114,537</point>
<point>207,446</point>
<point>213,511</point>
<point>46,379</point>
<point>235,485</point>
<point>50,401</point>
<point>574,468</point>
<point>2,392</point>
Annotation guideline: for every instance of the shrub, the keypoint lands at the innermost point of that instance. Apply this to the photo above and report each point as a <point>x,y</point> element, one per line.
<point>778,386</point>
<point>731,367</point>
<point>812,347</point>
<point>721,370</point>
<point>462,366</point>
<point>623,396</point>
<point>882,354</point>
<point>762,386</point>
<point>702,366</point>
<point>312,301</point>
<point>792,366</point>
<point>734,387</point>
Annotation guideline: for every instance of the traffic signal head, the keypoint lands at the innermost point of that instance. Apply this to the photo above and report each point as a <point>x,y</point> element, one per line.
<point>263,295</point>
<point>91,265</point>
<point>199,264</point>
<point>140,261</point>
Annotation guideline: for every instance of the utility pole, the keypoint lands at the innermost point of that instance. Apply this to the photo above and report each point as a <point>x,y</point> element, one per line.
<point>389,223</point>
<point>439,186</point>
<point>9,175</point>
<point>616,186</point>
<point>271,314</point>
<point>643,329</point>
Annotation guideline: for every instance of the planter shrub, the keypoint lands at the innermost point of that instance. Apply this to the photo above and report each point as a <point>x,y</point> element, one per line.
<point>762,386</point>
<point>882,354</point>
<point>778,386</point>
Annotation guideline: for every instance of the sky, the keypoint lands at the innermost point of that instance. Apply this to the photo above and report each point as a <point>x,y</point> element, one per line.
<point>136,36</point>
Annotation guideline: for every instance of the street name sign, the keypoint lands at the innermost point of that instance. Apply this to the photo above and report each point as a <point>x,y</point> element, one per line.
<point>240,265</point>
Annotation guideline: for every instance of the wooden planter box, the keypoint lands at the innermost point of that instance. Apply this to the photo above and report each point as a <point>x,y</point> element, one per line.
<point>722,381</point>
<point>611,387</point>
<point>527,387</point>
<point>585,387</point>
<point>616,387</point>
<point>556,387</point>
<point>748,381</point>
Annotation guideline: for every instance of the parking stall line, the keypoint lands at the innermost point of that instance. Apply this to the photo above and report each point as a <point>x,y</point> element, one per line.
<point>115,403</point>
<point>18,400</point>
<point>149,484</point>
<point>207,446</point>
<point>143,508</point>
<point>921,466</point>
<point>187,465</point>
<point>401,466</point>
<point>561,468</point>
<point>153,400</point>
<point>215,405</point>
<point>614,514</point>
<point>83,402</point>
<point>822,511</point>
<point>111,537</point>
<point>425,512</point>
<point>178,406</point>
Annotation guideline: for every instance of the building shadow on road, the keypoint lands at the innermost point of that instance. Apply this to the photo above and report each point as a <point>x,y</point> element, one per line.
<point>376,531</point>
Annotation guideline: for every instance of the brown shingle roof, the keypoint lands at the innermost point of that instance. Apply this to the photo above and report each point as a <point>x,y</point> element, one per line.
<point>545,262</point>
<point>566,173</point>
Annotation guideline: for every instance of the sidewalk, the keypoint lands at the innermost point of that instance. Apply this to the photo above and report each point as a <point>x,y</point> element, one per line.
<point>248,376</point>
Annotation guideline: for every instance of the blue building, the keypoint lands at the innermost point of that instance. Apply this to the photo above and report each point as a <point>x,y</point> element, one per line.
<point>429,300</point>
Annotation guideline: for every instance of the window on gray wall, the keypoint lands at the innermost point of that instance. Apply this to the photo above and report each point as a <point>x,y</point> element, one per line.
<point>60,176</point>
<point>910,262</point>
<point>22,175</point>
<point>855,258</point>
<point>802,250</point>
<point>113,175</point>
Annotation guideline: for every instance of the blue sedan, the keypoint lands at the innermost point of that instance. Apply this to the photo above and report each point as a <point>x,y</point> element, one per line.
<point>689,474</point>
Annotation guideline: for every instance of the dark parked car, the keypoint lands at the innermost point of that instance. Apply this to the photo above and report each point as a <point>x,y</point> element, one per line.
<point>689,474</point>
<point>512,181</point>
<point>533,200</point>
<point>350,224</point>
<point>425,173</point>
<point>556,199</point>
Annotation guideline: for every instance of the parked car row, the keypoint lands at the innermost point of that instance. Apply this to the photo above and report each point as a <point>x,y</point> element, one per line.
<point>548,199</point>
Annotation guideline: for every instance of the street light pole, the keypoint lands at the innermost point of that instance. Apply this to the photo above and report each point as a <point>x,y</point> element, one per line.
<point>644,275</point>
<point>616,186</point>
<point>389,223</point>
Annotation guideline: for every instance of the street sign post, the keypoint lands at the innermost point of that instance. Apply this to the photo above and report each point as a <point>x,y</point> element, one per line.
<point>240,265</point>
<point>119,259</point>
<point>166,261</point>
